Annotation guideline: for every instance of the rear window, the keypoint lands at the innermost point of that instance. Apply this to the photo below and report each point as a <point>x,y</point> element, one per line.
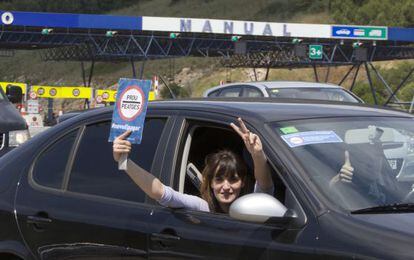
<point>331,94</point>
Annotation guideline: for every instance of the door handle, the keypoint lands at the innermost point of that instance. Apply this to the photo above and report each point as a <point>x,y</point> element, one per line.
<point>159,237</point>
<point>38,220</point>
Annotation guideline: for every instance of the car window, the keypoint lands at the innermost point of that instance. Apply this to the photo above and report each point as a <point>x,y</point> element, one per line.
<point>230,92</point>
<point>252,92</point>
<point>214,93</point>
<point>49,168</point>
<point>331,94</point>
<point>94,170</point>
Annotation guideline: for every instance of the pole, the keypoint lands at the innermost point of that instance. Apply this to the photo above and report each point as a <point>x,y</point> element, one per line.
<point>370,84</point>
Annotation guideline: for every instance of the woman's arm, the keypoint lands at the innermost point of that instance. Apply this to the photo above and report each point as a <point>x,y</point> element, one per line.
<point>151,185</point>
<point>255,148</point>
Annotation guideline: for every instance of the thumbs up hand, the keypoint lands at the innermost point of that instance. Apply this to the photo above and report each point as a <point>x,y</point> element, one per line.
<point>346,173</point>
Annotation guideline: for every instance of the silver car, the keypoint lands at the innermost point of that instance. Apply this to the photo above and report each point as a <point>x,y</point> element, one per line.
<point>284,89</point>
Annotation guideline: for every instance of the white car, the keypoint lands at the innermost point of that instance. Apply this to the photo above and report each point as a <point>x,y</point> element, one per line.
<point>284,89</point>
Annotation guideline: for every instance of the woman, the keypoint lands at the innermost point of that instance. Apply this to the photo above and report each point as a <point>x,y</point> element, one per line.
<point>224,176</point>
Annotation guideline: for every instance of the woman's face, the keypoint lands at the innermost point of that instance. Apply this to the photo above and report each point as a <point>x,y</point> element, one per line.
<point>226,188</point>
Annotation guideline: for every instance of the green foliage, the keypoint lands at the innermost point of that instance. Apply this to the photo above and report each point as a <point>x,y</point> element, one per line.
<point>291,7</point>
<point>65,6</point>
<point>179,91</point>
<point>393,76</point>
<point>374,12</point>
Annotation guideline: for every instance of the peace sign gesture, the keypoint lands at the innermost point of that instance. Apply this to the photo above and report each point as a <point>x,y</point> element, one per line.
<point>252,141</point>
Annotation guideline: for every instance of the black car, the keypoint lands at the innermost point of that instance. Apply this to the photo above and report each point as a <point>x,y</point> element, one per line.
<point>62,196</point>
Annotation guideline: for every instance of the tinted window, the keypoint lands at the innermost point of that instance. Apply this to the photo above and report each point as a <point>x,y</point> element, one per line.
<point>50,166</point>
<point>214,93</point>
<point>230,92</point>
<point>252,92</point>
<point>94,170</point>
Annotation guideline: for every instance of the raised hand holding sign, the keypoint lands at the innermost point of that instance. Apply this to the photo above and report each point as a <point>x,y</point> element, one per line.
<point>129,113</point>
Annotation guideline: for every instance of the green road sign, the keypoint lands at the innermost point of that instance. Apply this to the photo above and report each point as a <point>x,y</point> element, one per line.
<point>315,52</point>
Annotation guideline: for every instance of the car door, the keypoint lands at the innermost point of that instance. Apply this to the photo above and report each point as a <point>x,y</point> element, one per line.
<point>74,203</point>
<point>181,233</point>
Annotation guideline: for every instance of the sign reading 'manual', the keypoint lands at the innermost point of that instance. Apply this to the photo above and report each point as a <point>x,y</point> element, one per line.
<point>197,25</point>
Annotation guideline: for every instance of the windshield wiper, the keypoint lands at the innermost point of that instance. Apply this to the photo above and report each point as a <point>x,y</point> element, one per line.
<point>391,208</point>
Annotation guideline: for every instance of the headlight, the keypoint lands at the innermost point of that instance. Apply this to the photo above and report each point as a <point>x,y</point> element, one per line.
<point>16,138</point>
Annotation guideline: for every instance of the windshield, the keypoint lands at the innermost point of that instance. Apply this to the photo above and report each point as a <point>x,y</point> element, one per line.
<point>355,162</point>
<point>332,94</point>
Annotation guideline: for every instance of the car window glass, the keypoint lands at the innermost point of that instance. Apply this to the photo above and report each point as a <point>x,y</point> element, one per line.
<point>252,92</point>
<point>230,92</point>
<point>50,166</point>
<point>214,93</point>
<point>94,170</point>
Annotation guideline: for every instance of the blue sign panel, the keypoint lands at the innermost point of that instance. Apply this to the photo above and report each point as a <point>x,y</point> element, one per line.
<point>401,34</point>
<point>89,21</point>
<point>360,32</point>
<point>130,109</point>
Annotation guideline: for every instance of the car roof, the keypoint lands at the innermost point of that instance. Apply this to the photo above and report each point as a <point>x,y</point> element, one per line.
<point>275,84</point>
<point>267,110</point>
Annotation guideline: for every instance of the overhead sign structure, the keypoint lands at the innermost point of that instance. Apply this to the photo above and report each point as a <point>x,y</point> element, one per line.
<point>315,52</point>
<point>360,32</point>
<point>106,95</point>
<point>76,92</point>
<point>130,109</point>
<point>47,91</point>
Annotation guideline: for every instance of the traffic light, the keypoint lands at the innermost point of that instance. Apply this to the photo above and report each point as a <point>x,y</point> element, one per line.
<point>296,41</point>
<point>356,44</point>
<point>46,31</point>
<point>110,33</point>
<point>235,38</point>
<point>174,35</point>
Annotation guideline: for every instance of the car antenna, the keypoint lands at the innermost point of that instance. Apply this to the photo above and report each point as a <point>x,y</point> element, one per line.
<point>165,83</point>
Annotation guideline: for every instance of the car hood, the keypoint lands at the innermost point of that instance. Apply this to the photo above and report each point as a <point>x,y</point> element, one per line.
<point>401,222</point>
<point>10,118</point>
<point>373,235</point>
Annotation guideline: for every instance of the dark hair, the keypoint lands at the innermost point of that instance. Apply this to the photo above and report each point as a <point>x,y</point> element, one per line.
<point>224,162</point>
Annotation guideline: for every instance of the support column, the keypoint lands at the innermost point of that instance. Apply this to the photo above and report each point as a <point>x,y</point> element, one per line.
<point>346,75</point>
<point>355,77</point>
<point>399,86</point>
<point>315,72</point>
<point>370,84</point>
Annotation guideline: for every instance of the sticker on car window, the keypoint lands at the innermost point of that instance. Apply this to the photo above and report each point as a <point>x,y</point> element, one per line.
<point>288,130</point>
<point>311,137</point>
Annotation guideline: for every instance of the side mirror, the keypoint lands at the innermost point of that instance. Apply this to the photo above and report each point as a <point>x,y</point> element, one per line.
<point>259,207</point>
<point>14,94</point>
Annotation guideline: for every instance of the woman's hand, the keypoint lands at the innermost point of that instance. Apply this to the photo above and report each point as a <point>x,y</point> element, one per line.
<point>121,146</point>
<point>252,141</point>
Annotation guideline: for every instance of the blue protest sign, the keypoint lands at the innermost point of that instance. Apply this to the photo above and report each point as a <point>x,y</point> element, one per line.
<point>130,109</point>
